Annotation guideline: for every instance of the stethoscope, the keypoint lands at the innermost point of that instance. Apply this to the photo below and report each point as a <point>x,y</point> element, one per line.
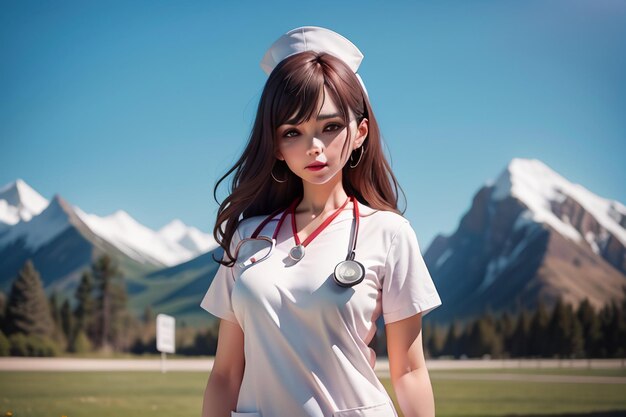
<point>347,273</point>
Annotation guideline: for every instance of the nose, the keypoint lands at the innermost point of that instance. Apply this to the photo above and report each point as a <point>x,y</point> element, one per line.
<point>316,146</point>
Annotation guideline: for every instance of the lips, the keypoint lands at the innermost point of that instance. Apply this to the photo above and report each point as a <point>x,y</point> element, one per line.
<point>316,165</point>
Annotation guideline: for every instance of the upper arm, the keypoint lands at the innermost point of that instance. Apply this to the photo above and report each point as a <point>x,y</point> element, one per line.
<point>407,286</point>
<point>229,357</point>
<point>404,345</point>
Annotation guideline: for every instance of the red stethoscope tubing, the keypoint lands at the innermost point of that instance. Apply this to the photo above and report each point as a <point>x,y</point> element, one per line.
<point>291,209</point>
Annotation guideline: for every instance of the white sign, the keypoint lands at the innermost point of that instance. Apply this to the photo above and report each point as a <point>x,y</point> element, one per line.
<point>166,333</point>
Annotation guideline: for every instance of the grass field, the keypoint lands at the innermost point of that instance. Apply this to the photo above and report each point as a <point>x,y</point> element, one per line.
<point>620,372</point>
<point>139,394</point>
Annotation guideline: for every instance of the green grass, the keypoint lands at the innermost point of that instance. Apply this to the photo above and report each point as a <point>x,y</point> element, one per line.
<point>508,398</point>
<point>139,394</point>
<point>620,372</point>
<point>99,394</point>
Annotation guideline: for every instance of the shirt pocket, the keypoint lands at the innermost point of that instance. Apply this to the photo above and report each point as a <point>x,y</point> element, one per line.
<point>379,410</point>
<point>246,414</point>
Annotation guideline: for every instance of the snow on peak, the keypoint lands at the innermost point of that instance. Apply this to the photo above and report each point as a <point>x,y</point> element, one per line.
<point>538,186</point>
<point>174,230</point>
<point>42,228</point>
<point>123,218</point>
<point>136,240</point>
<point>19,202</point>
<point>530,176</point>
<point>188,236</point>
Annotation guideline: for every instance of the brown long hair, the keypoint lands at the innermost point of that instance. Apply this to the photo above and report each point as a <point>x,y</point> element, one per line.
<point>294,87</point>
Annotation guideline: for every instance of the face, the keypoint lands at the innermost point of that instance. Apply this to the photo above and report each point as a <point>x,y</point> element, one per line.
<point>319,141</point>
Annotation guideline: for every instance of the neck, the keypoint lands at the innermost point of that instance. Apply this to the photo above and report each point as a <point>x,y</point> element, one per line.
<point>322,198</point>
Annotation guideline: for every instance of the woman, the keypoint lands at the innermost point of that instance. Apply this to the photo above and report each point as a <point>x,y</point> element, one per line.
<point>296,321</point>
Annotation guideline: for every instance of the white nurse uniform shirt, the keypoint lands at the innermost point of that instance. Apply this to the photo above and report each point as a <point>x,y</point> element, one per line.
<point>305,337</point>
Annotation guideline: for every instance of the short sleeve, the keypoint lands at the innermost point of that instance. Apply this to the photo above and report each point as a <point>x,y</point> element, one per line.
<point>217,299</point>
<point>407,287</point>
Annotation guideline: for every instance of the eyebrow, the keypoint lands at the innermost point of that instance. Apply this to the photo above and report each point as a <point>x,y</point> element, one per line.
<point>320,117</point>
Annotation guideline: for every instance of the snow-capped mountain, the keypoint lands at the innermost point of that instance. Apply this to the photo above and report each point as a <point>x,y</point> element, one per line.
<point>144,244</point>
<point>59,244</point>
<point>529,235</point>
<point>40,229</point>
<point>566,207</point>
<point>188,237</point>
<point>62,239</point>
<point>19,202</point>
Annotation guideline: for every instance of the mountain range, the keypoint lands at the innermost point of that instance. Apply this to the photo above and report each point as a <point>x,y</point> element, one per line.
<point>64,240</point>
<point>529,235</point>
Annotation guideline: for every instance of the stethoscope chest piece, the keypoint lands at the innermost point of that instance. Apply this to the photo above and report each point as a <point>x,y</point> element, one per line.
<point>349,272</point>
<point>297,252</point>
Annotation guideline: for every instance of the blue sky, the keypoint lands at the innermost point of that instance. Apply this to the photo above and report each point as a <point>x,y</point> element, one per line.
<point>142,105</point>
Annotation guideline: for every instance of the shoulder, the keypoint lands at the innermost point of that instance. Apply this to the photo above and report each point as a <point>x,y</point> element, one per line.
<point>389,221</point>
<point>385,227</point>
<point>247,226</point>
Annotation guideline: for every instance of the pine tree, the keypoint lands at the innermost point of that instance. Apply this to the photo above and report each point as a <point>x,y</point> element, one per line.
<point>493,339</point>
<point>465,342</point>
<point>5,345</point>
<point>605,317</point>
<point>111,315</point>
<point>520,340</point>
<point>451,345</point>
<point>85,307</point>
<point>57,335</point>
<point>590,326</point>
<point>474,347</point>
<point>67,320</point>
<point>205,341</point>
<point>565,334</point>
<point>555,329</point>
<point>426,334</point>
<point>436,340</point>
<point>55,312</point>
<point>577,342</point>
<point>621,331</point>
<point>505,327</point>
<point>103,277</point>
<point>482,338</point>
<point>148,331</point>
<point>123,325</point>
<point>539,337</point>
<point>610,317</point>
<point>3,309</point>
<point>28,311</point>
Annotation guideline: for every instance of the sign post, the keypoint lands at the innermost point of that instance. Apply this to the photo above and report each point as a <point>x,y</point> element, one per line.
<point>165,336</point>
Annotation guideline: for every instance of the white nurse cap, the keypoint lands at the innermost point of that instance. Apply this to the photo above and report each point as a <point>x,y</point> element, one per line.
<point>313,38</point>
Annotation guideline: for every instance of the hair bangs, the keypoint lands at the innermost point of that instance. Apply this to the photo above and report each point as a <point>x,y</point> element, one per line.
<point>298,99</point>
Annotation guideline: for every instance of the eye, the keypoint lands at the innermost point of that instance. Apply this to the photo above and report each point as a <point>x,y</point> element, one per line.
<point>286,134</point>
<point>334,127</point>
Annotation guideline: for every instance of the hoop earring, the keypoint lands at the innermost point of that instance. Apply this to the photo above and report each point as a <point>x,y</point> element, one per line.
<point>360,155</point>
<point>272,173</point>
